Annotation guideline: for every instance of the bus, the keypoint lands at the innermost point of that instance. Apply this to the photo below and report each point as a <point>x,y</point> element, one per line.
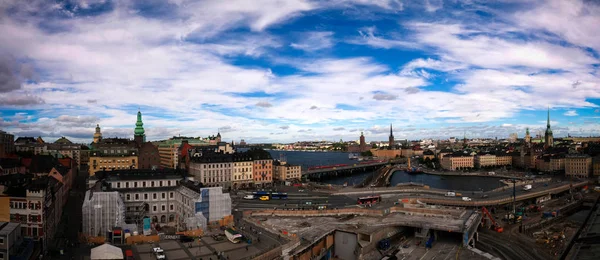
<point>279,196</point>
<point>369,199</point>
<point>233,235</point>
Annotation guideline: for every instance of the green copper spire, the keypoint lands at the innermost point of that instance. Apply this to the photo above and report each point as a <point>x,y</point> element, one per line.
<point>527,131</point>
<point>139,126</point>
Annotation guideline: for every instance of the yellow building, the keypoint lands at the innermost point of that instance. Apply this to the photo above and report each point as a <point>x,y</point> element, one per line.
<point>285,172</point>
<point>485,160</point>
<point>502,160</point>
<point>117,160</point>
<point>386,154</point>
<point>454,162</point>
<point>578,166</point>
<point>242,173</point>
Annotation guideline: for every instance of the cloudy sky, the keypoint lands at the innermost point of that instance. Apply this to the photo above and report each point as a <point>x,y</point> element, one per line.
<point>281,71</point>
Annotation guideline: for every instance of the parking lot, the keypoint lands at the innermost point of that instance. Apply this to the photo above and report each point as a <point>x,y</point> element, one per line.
<point>207,248</point>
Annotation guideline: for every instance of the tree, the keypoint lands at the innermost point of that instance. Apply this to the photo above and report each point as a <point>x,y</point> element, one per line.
<point>367,153</point>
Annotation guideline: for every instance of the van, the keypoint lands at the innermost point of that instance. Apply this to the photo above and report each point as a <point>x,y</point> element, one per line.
<point>264,197</point>
<point>466,199</point>
<point>249,197</point>
<point>450,194</point>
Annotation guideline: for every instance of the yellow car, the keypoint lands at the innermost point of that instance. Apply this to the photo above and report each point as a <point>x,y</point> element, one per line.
<point>264,197</point>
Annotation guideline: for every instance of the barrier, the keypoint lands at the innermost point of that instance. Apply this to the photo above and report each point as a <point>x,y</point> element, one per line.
<point>139,239</point>
<point>327,212</point>
<point>191,233</point>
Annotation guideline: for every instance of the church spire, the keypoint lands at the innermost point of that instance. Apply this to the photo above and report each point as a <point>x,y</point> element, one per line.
<point>139,133</point>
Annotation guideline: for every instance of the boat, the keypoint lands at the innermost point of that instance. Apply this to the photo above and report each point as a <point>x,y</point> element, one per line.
<point>353,156</point>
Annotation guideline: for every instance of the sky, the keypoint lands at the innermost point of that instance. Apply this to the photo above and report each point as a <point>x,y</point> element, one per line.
<point>290,70</point>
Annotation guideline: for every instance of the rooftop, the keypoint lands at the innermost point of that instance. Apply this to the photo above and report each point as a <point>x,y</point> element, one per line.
<point>140,174</point>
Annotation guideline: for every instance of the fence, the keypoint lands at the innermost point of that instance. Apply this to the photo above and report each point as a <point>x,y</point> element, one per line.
<point>326,212</point>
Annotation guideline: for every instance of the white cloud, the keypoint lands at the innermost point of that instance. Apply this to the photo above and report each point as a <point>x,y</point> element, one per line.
<point>571,113</point>
<point>313,41</point>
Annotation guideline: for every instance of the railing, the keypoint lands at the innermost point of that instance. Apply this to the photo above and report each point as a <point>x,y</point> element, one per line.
<point>326,212</point>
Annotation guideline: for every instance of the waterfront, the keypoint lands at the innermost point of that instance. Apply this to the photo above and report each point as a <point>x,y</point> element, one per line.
<point>309,159</point>
<point>463,183</point>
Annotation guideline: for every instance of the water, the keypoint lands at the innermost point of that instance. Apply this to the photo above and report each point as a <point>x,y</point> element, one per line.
<point>309,159</point>
<point>461,183</point>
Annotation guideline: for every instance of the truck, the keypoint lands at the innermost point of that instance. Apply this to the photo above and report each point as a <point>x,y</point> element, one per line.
<point>450,194</point>
<point>527,187</point>
<point>466,199</point>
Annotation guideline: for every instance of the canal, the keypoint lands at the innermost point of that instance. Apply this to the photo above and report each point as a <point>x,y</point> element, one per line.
<point>309,159</point>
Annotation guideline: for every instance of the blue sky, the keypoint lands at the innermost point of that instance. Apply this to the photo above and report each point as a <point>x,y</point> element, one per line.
<point>281,71</point>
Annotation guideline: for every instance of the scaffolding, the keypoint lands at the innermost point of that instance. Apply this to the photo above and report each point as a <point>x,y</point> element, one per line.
<point>213,204</point>
<point>101,212</point>
<point>197,221</point>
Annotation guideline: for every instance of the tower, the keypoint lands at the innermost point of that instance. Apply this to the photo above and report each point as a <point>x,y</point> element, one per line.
<point>465,138</point>
<point>527,136</point>
<point>548,138</point>
<point>391,140</point>
<point>363,144</point>
<point>139,135</point>
<point>218,136</point>
<point>97,134</point>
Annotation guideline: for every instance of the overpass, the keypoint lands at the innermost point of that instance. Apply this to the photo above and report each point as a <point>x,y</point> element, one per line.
<point>341,169</point>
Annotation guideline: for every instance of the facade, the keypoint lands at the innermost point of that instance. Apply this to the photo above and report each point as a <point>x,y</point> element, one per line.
<point>242,171</point>
<point>550,163</point>
<point>285,172</point>
<point>199,206</point>
<point>145,193</point>
<point>11,239</point>
<point>263,172</point>
<point>113,158</point>
<point>8,142</point>
<point>454,162</point>
<point>212,170</point>
<point>386,154</point>
<point>149,157</point>
<point>101,211</point>
<point>485,160</point>
<point>596,166</point>
<point>503,160</point>
<point>578,166</point>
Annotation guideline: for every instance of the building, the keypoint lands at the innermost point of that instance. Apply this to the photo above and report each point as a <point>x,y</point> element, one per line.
<point>285,172</point>
<point>149,157</point>
<point>139,135</point>
<point>11,166</point>
<point>578,165</point>
<point>8,142</point>
<point>263,171</point>
<point>212,169</point>
<point>97,134</point>
<point>116,156</point>
<point>242,171</point>
<point>454,162</point>
<point>12,243</point>
<point>145,193</point>
<point>391,143</point>
<point>386,154</point>
<point>169,150</point>
<point>596,166</point>
<point>503,160</point>
<point>548,137</point>
<point>485,160</point>
<point>102,211</point>
<point>198,206</point>
<point>513,137</point>
<point>551,163</point>
<point>428,154</point>
<point>527,136</point>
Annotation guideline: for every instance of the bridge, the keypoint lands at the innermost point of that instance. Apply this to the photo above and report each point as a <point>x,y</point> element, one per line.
<point>342,169</point>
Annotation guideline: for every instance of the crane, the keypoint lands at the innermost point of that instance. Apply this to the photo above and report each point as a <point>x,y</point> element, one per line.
<point>495,226</point>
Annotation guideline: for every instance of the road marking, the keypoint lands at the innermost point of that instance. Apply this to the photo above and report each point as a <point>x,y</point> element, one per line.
<point>426,251</point>
<point>450,252</point>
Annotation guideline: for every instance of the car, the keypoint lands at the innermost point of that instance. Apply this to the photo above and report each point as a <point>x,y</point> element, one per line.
<point>406,246</point>
<point>264,197</point>
<point>161,256</point>
<point>301,190</point>
<point>249,197</point>
<point>157,250</point>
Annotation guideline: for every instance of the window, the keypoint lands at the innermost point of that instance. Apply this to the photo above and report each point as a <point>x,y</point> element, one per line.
<point>164,196</point>
<point>144,184</point>
<point>145,196</point>
<point>171,206</point>
<point>164,208</point>
<point>127,185</point>
<point>118,185</point>
<point>154,208</point>
<point>1,242</point>
<point>128,197</point>
<point>171,195</point>
<point>160,184</point>
<point>137,196</point>
<point>152,184</point>
<point>153,195</point>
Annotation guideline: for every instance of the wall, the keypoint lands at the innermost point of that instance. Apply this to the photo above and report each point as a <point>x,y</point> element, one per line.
<point>345,245</point>
<point>4,209</point>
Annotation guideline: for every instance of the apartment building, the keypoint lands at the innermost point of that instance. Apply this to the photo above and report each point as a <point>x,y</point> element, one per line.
<point>242,171</point>
<point>263,172</point>
<point>504,160</point>
<point>485,160</point>
<point>213,169</point>
<point>578,165</point>
<point>457,162</point>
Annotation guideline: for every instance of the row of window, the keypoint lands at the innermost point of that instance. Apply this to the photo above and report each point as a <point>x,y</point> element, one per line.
<point>137,196</point>
<point>25,205</point>
<point>143,184</point>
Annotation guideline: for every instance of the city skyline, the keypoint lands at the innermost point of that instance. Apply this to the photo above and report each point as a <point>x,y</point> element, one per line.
<point>299,70</point>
